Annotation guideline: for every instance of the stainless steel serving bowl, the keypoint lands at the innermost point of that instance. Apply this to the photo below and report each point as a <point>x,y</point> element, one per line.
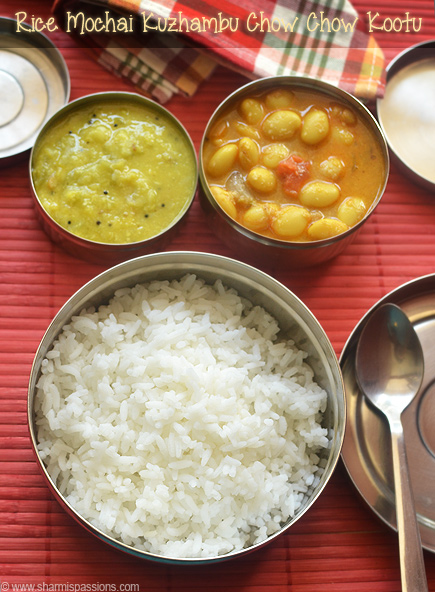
<point>101,252</point>
<point>293,316</point>
<point>404,114</point>
<point>252,246</point>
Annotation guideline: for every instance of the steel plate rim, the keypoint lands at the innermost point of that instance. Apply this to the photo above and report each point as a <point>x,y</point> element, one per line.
<point>403,293</point>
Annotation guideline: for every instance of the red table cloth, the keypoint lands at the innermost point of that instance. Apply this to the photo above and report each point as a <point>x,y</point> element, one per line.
<point>165,47</point>
<point>339,545</point>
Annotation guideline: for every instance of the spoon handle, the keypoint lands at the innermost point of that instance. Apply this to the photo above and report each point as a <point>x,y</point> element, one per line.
<point>412,569</point>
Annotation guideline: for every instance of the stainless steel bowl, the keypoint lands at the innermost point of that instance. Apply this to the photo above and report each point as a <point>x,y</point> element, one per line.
<point>100,252</point>
<point>293,316</point>
<point>253,247</point>
<point>404,113</point>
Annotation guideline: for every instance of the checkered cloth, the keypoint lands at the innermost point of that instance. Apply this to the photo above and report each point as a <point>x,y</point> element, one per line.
<point>258,38</point>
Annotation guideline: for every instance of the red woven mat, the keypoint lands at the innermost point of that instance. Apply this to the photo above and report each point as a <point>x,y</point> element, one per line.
<point>339,545</point>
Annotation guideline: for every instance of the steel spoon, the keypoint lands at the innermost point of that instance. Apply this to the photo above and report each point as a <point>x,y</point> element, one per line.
<point>389,369</point>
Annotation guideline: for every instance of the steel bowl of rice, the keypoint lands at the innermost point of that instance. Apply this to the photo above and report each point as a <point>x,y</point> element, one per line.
<point>186,408</point>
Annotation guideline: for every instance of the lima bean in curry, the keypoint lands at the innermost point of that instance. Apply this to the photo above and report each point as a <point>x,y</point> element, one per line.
<point>293,165</point>
<point>114,172</point>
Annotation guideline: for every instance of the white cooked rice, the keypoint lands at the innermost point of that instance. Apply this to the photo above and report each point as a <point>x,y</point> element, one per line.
<point>174,420</point>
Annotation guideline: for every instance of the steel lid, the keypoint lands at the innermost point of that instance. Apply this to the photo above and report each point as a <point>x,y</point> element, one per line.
<point>406,112</point>
<point>34,84</point>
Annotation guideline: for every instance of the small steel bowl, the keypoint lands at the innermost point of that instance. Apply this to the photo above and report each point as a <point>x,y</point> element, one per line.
<point>253,247</point>
<point>103,252</point>
<point>405,112</point>
<point>293,316</point>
